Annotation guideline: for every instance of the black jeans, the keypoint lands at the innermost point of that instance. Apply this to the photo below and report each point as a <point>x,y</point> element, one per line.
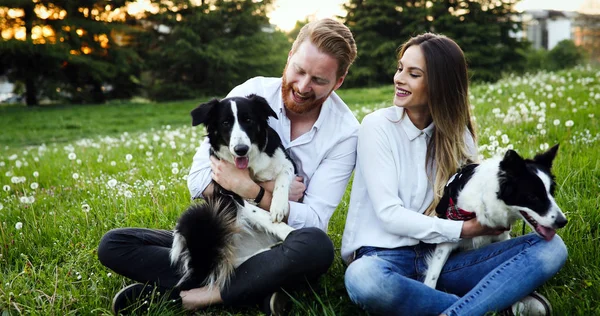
<point>143,255</point>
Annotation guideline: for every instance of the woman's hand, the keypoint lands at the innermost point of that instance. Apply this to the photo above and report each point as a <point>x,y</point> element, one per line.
<point>472,228</point>
<point>297,188</point>
<point>233,179</point>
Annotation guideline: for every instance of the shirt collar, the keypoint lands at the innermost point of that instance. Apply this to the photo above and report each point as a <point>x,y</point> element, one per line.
<point>409,128</point>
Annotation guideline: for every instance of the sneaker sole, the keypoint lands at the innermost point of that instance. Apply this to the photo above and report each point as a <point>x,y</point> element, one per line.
<point>118,294</point>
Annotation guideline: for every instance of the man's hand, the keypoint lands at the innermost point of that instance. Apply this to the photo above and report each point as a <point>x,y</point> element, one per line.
<point>472,228</point>
<point>233,179</point>
<point>297,188</point>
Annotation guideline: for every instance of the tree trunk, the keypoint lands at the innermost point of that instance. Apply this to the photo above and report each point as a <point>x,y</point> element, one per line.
<point>30,87</point>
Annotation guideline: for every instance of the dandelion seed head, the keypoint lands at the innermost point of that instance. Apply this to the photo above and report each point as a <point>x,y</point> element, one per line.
<point>75,175</point>
<point>128,157</point>
<point>18,225</point>
<point>85,208</point>
<point>34,185</point>
<point>36,174</point>
<point>72,156</point>
<point>556,122</point>
<point>6,188</point>
<point>569,123</point>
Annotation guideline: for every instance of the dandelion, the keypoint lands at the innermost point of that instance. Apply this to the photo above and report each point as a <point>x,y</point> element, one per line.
<point>128,194</point>
<point>109,274</point>
<point>6,188</point>
<point>13,157</point>
<point>112,183</point>
<point>76,176</point>
<point>113,163</point>
<point>85,208</point>
<point>19,225</point>
<point>78,161</point>
<point>34,185</point>
<point>175,170</point>
<point>544,146</point>
<point>72,156</point>
<point>569,123</point>
<point>2,164</point>
<point>27,199</point>
<point>174,165</point>
<point>149,184</point>
<point>36,174</point>
<point>14,180</point>
<point>18,164</point>
<point>162,187</point>
<point>128,157</point>
<point>556,122</point>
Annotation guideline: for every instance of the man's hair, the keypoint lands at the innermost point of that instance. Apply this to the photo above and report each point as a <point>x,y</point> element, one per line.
<point>332,38</point>
<point>448,95</point>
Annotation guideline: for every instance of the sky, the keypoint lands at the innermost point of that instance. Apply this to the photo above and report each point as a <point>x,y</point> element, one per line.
<point>287,12</point>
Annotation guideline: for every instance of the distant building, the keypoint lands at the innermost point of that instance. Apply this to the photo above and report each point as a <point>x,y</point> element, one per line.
<point>545,28</point>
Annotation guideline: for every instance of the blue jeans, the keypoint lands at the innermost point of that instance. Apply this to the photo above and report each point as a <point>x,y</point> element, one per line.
<point>492,278</point>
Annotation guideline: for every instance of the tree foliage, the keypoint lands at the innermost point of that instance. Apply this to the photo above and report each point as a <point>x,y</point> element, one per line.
<point>482,28</point>
<point>212,47</point>
<point>69,48</point>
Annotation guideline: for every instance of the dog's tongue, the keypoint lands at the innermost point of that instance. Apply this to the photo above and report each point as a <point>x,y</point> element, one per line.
<point>241,162</point>
<point>545,232</point>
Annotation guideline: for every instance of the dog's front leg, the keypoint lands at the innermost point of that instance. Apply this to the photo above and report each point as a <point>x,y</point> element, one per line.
<point>280,206</point>
<point>436,261</point>
<point>260,218</point>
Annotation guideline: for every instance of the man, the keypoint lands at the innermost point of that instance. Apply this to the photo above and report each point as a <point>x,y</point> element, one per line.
<point>319,132</point>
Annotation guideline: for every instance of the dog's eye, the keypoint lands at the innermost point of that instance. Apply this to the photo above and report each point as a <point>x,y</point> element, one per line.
<point>247,120</point>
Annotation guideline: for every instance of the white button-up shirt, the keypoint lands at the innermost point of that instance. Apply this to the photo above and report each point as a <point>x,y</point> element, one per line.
<point>391,189</point>
<point>325,155</point>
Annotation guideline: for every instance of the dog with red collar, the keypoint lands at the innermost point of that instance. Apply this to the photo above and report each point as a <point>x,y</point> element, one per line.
<point>498,192</point>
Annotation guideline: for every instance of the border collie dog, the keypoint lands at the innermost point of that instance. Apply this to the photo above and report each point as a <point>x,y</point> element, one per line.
<point>213,238</point>
<point>499,191</point>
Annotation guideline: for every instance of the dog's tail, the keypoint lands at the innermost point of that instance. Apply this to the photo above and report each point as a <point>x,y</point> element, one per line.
<point>203,241</point>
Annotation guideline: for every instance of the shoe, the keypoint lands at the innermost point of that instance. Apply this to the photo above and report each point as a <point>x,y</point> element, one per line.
<point>136,298</point>
<point>533,304</point>
<point>277,304</point>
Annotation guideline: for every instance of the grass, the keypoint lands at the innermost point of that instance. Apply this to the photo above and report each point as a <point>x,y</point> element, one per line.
<point>127,163</point>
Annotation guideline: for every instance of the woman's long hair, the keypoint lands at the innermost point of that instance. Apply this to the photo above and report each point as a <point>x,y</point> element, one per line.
<point>448,94</point>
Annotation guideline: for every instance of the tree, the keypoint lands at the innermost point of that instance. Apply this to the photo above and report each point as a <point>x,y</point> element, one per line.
<point>210,48</point>
<point>482,28</point>
<point>68,46</point>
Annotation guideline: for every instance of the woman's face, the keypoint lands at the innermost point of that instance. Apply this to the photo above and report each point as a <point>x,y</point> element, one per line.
<point>410,80</point>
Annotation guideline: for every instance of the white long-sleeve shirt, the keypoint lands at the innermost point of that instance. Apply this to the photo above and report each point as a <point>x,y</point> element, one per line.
<point>391,189</point>
<point>325,156</point>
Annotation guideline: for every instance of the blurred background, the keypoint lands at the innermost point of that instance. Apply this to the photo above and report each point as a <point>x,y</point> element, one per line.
<point>93,51</point>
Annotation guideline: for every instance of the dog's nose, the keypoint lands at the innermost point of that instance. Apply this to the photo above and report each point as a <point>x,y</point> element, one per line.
<point>241,150</point>
<point>561,222</point>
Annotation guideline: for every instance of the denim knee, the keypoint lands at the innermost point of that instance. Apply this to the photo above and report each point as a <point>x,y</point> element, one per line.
<point>362,281</point>
<point>551,255</point>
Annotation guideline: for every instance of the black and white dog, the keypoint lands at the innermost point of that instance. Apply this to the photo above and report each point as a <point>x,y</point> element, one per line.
<point>499,191</point>
<point>213,238</point>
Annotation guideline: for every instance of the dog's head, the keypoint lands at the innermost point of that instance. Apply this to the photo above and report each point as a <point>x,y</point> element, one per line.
<point>236,125</point>
<point>527,187</point>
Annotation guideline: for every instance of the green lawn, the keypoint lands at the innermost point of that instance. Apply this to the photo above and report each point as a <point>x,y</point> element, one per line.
<point>128,163</point>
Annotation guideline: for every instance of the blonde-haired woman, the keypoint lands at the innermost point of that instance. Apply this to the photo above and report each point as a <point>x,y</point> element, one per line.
<point>406,153</point>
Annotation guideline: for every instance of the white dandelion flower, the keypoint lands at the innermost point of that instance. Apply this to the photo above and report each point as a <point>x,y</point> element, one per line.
<point>113,163</point>
<point>174,165</point>
<point>162,187</point>
<point>149,184</point>
<point>556,122</point>
<point>13,157</point>
<point>112,183</point>
<point>18,164</point>
<point>85,208</point>
<point>36,174</point>
<point>128,194</point>
<point>30,200</point>
<point>14,180</point>
<point>18,225</point>
<point>6,188</point>
<point>128,157</point>
<point>569,123</point>
<point>72,156</point>
<point>34,185</point>
<point>109,274</point>
<point>175,170</point>
<point>76,176</point>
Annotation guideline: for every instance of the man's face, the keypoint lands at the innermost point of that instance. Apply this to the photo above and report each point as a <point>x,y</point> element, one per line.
<point>309,78</point>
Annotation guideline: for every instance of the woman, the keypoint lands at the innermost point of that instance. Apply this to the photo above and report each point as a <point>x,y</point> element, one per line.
<point>406,153</point>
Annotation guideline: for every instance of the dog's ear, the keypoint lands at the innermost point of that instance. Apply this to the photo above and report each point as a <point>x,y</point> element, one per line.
<point>263,105</point>
<point>512,163</point>
<point>201,113</point>
<point>546,158</point>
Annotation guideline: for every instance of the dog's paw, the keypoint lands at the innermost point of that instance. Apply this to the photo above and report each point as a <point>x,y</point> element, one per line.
<point>279,210</point>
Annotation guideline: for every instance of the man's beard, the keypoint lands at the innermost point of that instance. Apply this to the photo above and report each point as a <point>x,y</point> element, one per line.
<point>290,105</point>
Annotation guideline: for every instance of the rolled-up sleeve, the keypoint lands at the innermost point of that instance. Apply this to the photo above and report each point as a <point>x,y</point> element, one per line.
<point>326,188</point>
<point>200,173</point>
